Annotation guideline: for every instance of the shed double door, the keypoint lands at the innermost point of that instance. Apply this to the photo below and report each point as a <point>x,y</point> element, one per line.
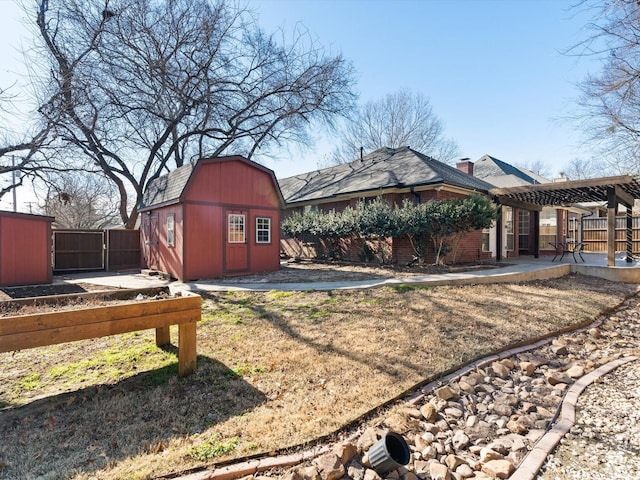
<point>236,257</point>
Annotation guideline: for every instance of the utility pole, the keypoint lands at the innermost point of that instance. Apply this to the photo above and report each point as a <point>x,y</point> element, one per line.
<point>13,164</point>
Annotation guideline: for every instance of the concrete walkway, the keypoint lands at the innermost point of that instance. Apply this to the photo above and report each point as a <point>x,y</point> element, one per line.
<point>519,270</point>
<point>513,273</point>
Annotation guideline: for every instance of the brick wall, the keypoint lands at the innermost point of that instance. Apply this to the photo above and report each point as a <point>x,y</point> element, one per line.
<point>469,250</point>
<point>399,250</point>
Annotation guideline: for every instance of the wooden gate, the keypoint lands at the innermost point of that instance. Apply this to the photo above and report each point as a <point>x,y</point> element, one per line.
<point>123,250</point>
<point>110,250</point>
<point>78,250</point>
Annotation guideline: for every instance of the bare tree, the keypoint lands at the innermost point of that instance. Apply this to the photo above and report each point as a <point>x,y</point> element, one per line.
<point>580,169</point>
<point>399,119</point>
<point>19,152</point>
<point>610,100</point>
<point>538,167</point>
<point>139,87</point>
<point>81,201</point>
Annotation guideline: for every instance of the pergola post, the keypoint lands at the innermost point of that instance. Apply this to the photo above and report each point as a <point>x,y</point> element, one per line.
<point>629,234</point>
<point>536,233</point>
<point>623,189</point>
<point>612,204</point>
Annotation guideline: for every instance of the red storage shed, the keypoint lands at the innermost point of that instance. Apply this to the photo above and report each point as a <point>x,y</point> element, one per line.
<point>25,249</point>
<point>216,217</point>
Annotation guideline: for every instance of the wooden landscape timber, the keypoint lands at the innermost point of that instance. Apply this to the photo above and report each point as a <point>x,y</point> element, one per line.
<point>49,328</point>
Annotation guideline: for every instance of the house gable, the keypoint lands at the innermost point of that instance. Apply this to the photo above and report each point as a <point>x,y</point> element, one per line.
<point>502,174</point>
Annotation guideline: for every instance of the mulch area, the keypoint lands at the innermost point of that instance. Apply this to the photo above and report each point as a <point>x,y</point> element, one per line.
<point>28,291</point>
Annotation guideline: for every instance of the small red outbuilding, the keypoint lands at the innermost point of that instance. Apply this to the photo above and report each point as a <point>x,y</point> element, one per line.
<point>25,249</point>
<point>216,217</point>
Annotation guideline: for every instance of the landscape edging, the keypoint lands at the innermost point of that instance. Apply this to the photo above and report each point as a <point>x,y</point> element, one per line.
<point>531,464</point>
<point>251,465</point>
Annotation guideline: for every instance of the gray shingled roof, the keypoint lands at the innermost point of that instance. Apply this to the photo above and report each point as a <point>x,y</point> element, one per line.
<point>168,188</point>
<point>384,168</point>
<point>502,174</point>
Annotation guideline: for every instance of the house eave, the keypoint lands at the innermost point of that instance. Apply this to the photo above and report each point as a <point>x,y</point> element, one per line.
<point>383,191</point>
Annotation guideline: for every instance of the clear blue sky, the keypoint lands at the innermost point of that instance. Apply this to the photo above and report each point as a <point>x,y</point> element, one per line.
<point>493,70</point>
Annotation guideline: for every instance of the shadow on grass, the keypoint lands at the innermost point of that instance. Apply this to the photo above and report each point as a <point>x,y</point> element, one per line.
<point>88,429</point>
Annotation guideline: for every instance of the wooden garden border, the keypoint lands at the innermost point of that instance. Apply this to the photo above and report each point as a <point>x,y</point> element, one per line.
<point>50,328</point>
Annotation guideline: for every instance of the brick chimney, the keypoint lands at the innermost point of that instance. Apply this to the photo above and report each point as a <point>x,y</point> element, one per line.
<point>465,165</point>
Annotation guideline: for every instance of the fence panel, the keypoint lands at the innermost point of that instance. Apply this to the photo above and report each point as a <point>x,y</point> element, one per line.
<point>78,250</point>
<point>123,250</point>
<point>594,234</point>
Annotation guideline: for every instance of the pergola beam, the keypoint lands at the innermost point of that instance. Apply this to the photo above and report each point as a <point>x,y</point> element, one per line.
<point>623,189</point>
<point>512,202</point>
<point>623,197</point>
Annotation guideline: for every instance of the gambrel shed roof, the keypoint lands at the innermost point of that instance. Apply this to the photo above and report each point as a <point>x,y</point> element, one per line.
<point>169,188</point>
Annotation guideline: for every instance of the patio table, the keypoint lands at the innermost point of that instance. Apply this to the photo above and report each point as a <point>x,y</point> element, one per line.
<point>569,246</point>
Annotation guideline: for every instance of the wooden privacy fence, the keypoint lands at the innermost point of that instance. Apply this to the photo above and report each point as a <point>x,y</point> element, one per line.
<point>594,234</point>
<point>108,250</point>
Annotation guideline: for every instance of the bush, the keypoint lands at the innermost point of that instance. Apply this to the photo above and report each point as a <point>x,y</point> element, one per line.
<point>439,222</point>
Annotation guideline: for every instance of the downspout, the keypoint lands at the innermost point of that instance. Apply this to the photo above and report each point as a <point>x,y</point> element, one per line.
<point>582,217</point>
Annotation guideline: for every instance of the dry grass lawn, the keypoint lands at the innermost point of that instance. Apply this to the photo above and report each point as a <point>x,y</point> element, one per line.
<point>275,370</point>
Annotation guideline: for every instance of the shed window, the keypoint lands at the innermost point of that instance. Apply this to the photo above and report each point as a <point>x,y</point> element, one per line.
<point>171,231</point>
<point>236,228</point>
<point>263,230</point>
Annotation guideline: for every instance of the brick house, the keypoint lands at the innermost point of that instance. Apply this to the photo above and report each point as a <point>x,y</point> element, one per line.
<point>394,174</point>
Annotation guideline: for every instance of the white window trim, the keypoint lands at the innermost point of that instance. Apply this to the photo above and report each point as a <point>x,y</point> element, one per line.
<point>231,221</point>
<point>171,230</point>
<point>258,230</point>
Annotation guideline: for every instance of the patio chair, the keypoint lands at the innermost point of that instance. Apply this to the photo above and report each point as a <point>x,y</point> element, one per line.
<point>559,249</point>
<point>578,248</point>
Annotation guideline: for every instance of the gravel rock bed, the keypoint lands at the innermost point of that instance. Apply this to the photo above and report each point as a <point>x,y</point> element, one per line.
<point>481,424</point>
<point>605,440</point>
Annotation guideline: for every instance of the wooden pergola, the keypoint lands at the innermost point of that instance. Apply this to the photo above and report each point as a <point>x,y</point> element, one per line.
<point>622,189</point>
